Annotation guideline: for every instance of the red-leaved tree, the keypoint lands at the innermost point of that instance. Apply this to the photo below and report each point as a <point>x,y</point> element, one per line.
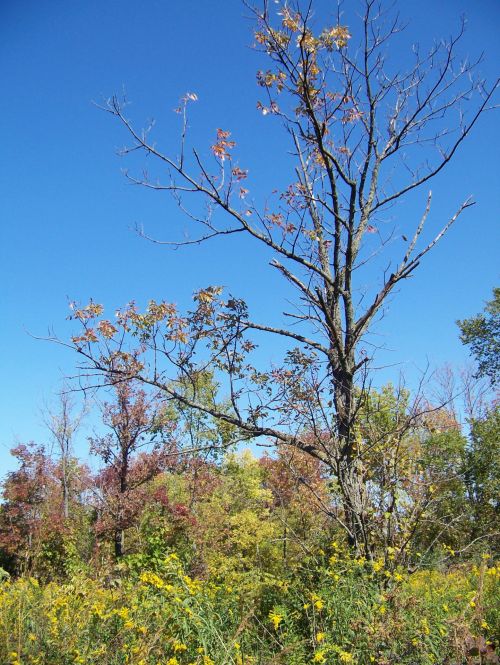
<point>137,448</point>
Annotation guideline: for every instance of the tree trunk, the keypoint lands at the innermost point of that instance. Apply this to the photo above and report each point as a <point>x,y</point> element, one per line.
<point>119,543</point>
<point>348,468</point>
<point>65,489</point>
<point>120,531</point>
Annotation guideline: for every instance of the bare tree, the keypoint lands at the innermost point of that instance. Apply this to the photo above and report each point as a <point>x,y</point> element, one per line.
<point>63,425</point>
<point>363,135</point>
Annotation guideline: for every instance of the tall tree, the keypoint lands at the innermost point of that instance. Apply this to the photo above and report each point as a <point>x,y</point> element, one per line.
<point>482,474</point>
<point>363,134</point>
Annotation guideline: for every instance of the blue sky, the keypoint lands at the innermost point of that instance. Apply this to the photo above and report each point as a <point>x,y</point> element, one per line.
<point>67,213</point>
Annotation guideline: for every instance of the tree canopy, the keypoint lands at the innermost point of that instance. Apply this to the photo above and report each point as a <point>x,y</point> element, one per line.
<point>482,334</point>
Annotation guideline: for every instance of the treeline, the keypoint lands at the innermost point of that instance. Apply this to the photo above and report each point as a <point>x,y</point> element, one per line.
<point>171,480</point>
<point>182,550</point>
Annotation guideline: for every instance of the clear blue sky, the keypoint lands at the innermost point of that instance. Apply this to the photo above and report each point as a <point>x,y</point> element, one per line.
<point>66,211</point>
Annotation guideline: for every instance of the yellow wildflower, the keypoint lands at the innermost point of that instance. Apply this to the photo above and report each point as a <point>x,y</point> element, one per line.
<point>122,612</point>
<point>317,601</point>
<point>275,619</point>
<point>153,579</point>
<point>179,646</point>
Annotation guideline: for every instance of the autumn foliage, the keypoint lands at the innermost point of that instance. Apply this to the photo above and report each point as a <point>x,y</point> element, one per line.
<point>238,513</point>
